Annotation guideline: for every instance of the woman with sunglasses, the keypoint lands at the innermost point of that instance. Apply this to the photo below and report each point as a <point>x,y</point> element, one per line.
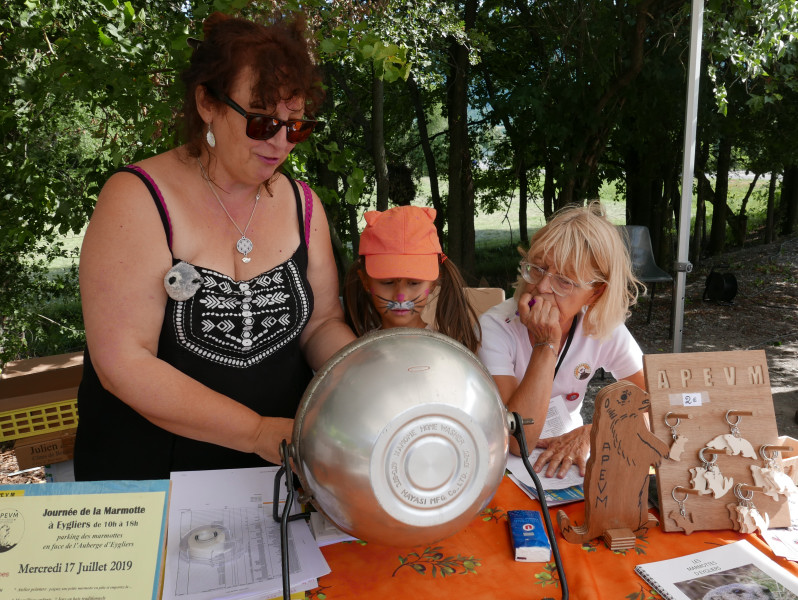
<point>209,288</point>
<point>565,321</point>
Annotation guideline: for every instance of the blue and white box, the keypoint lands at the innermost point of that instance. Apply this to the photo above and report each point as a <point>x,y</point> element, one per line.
<point>529,536</point>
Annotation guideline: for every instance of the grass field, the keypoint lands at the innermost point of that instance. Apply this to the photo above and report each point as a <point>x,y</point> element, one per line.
<point>500,229</point>
<point>71,252</point>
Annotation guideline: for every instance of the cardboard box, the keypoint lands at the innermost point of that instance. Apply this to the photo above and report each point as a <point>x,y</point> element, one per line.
<point>45,449</point>
<point>38,395</point>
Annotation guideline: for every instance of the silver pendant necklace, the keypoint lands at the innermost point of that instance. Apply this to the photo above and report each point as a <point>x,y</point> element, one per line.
<point>244,244</point>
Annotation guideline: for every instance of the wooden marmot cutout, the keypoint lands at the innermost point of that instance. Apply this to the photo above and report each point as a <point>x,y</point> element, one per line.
<point>616,480</point>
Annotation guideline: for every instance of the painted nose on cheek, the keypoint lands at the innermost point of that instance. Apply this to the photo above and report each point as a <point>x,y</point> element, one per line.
<point>400,297</point>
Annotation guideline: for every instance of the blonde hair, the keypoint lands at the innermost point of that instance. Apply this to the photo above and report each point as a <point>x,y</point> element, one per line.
<point>582,244</point>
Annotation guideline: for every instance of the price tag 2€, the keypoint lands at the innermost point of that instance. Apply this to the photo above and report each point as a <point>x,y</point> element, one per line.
<point>693,399</point>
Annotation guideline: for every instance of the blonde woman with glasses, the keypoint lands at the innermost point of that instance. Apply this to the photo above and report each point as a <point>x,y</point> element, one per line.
<point>565,321</point>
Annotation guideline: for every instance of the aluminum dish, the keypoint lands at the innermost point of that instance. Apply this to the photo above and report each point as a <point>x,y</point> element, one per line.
<point>401,438</point>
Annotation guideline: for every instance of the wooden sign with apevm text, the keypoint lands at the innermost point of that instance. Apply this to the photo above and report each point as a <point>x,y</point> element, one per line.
<point>715,411</point>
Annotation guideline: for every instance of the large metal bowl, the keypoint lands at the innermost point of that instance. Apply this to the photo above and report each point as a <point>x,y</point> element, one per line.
<point>401,438</point>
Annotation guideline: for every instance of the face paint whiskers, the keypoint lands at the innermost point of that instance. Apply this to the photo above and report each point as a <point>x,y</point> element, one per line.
<point>406,305</point>
<point>400,305</point>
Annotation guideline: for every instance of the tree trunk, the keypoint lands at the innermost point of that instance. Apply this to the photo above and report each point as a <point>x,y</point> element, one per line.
<point>461,193</point>
<point>378,141</point>
<point>655,220</point>
<point>739,222</point>
<point>789,200</point>
<point>698,238</point>
<point>638,189</point>
<point>717,235</point>
<point>351,217</point>
<point>468,260</point>
<point>549,190</point>
<point>585,148</point>
<point>770,228</point>
<point>566,193</point>
<point>429,157</point>
<point>523,201</point>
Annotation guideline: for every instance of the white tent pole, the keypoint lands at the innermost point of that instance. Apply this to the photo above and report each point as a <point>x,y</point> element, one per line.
<point>682,265</point>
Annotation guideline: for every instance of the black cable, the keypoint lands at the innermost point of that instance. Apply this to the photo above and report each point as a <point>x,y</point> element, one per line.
<point>278,477</point>
<point>518,434</point>
<point>289,500</point>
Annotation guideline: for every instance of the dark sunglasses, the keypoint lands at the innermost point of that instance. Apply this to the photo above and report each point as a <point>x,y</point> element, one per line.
<point>264,127</point>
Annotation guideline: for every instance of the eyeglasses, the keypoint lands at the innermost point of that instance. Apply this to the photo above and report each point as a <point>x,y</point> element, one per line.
<point>264,127</point>
<point>560,284</point>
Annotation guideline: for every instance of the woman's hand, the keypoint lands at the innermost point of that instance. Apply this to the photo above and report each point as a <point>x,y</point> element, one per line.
<point>563,451</point>
<point>271,432</point>
<point>541,318</point>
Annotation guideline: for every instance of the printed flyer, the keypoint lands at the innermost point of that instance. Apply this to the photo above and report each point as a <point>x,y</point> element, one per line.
<point>101,540</point>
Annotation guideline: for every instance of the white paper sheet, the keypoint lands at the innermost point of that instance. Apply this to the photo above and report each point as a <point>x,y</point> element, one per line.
<point>325,532</point>
<point>515,465</point>
<point>240,500</point>
<point>784,542</point>
<point>558,421</point>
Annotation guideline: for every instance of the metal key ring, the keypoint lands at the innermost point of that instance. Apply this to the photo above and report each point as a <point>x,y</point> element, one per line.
<point>763,452</point>
<point>738,491</point>
<point>737,422</point>
<point>714,455</point>
<point>678,420</point>
<point>675,499</point>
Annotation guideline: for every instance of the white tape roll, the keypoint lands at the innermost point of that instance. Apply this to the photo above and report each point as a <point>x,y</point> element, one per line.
<point>206,543</point>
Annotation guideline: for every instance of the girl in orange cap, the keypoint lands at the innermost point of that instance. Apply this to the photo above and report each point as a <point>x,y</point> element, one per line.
<point>400,265</point>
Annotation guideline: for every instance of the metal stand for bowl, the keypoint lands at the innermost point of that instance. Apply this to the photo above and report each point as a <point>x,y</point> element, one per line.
<point>286,516</point>
<point>516,430</point>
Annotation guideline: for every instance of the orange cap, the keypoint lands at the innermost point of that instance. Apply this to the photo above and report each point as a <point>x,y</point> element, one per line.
<point>401,242</point>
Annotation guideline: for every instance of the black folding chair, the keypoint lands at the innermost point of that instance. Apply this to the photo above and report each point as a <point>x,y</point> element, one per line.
<point>645,268</point>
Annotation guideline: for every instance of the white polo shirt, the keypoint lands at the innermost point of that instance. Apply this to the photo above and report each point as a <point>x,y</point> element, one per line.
<point>506,350</point>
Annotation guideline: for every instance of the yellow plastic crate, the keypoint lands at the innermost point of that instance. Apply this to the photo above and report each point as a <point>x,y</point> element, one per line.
<point>35,420</point>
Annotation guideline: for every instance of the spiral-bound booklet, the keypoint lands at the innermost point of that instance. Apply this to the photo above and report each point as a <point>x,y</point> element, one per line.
<point>736,570</point>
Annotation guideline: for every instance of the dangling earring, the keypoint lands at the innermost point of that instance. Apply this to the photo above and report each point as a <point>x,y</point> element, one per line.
<point>210,138</point>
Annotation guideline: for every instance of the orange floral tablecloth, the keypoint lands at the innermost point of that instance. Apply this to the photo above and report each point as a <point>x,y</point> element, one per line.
<point>477,563</point>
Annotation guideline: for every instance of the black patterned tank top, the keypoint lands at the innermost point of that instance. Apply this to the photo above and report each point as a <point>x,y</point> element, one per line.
<point>239,338</point>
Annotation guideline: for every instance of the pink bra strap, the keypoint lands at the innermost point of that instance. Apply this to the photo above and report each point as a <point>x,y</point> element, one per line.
<point>308,210</point>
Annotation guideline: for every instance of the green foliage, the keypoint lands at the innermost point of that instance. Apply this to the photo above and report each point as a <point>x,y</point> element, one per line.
<point>42,311</point>
<point>87,86</point>
<point>383,40</point>
<point>758,41</point>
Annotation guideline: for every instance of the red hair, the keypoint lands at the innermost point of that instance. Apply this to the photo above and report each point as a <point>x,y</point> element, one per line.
<point>279,56</point>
